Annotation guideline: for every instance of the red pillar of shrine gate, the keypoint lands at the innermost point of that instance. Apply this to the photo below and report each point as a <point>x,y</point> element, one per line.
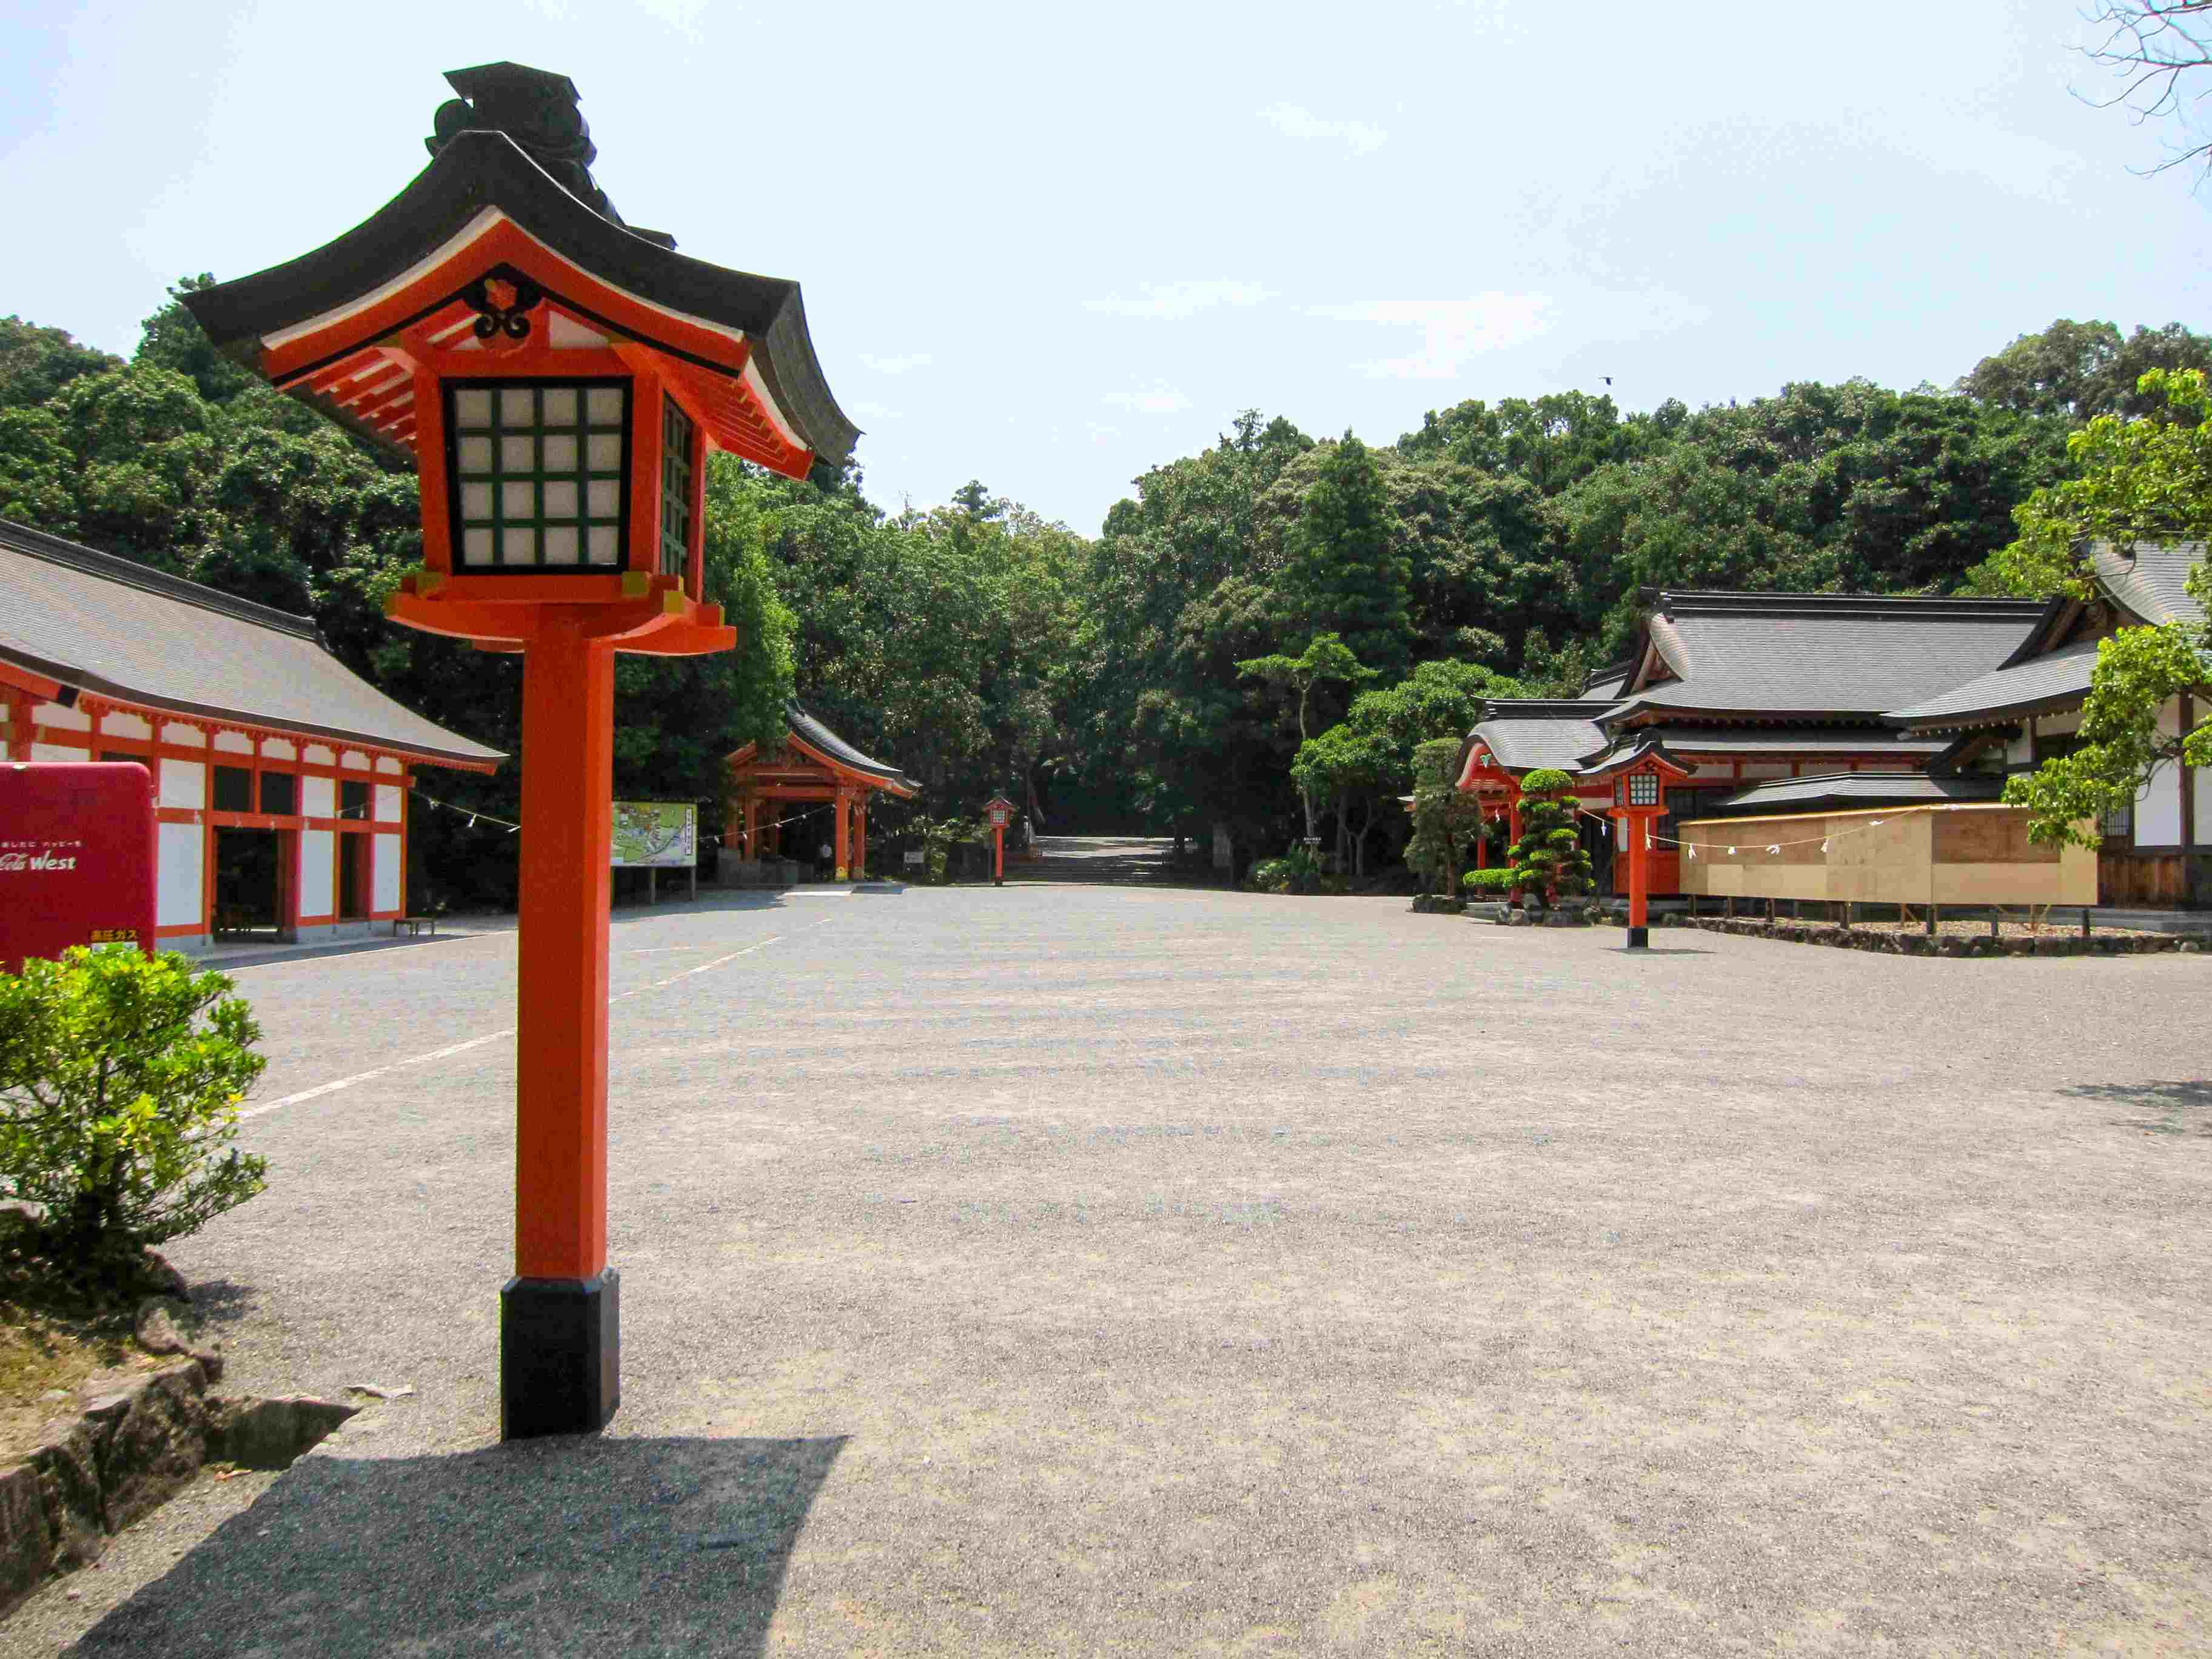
<point>1001,813</point>
<point>559,382</point>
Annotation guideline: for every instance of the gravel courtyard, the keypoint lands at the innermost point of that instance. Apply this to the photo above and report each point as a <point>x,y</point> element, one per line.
<point>1067,1269</point>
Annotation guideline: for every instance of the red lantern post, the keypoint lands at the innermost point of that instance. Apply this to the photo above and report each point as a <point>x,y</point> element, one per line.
<point>1639,801</point>
<point>1001,813</point>
<point>558,381</point>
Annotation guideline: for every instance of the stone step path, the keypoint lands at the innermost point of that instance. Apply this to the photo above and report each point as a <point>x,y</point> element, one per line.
<point>1092,861</point>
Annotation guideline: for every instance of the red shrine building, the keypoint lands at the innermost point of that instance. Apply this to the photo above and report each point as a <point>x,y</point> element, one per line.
<point>280,778</point>
<point>1783,703</point>
<point>812,765</point>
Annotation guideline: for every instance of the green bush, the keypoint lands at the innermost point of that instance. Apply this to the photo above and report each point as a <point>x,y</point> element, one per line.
<point>120,1079</point>
<point>1487,881</point>
<point>1297,872</point>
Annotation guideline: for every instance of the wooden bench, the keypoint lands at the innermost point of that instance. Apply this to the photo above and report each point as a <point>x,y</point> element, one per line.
<point>414,925</point>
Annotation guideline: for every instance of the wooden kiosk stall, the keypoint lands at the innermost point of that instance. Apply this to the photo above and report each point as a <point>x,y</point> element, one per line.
<point>1920,858</point>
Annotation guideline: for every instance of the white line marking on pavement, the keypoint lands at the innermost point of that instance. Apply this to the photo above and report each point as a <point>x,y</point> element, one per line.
<point>450,1049</point>
<point>364,1077</point>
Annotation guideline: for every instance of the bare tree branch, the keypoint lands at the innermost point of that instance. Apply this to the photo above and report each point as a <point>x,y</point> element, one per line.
<point>2152,47</point>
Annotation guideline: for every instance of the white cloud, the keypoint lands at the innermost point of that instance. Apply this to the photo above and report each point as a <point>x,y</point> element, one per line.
<point>1452,331</point>
<point>895,365</point>
<point>1293,122</point>
<point>1173,301</point>
<point>1160,400</point>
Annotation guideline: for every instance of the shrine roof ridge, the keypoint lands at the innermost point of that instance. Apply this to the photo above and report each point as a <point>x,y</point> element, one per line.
<point>92,623</point>
<point>114,568</point>
<point>1744,603</point>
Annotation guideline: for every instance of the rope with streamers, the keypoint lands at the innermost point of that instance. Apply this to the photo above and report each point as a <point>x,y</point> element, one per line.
<point>513,828</point>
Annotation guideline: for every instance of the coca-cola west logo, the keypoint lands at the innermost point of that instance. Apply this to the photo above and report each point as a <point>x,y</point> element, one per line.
<point>54,856</point>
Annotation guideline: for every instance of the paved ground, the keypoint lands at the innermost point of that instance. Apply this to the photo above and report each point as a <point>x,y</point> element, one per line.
<point>1089,1270</point>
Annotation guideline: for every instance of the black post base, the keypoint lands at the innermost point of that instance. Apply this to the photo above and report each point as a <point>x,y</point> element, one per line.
<point>559,1355</point>
<point>1639,939</point>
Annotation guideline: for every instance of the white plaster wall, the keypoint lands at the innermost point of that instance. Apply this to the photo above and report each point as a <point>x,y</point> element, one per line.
<point>1765,769</point>
<point>65,720</point>
<point>319,798</point>
<point>2020,750</point>
<point>384,890</point>
<point>185,737</point>
<point>2057,726</point>
<point>176,874</point>
<point>277,749</point>
<point>387,804</point>
<point>354,761</point>
<point>386,763</point>
<point>2158,803</point>
<point>2202,778</point>
<point>183,783</point>
<point>315,867</point>
<point>319,755</point>
<point>54,751</point>
<point>125,725</point>
<point>234,742</point>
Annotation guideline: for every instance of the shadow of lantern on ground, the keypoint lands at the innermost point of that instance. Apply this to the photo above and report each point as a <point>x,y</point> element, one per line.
<point>567,1546</point>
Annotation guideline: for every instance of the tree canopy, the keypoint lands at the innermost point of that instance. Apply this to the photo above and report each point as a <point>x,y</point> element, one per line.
<point>1496,550</point>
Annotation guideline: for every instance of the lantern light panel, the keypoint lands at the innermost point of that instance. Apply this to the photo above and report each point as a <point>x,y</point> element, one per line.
<point>540,471</point>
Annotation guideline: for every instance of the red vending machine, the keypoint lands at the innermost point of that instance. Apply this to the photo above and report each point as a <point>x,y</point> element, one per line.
<point>76,857</point>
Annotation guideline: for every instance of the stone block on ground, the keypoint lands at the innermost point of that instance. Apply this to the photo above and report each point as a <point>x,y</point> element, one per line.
<point>26,1547</point>
<point>270,1434</point>
<point>150,1440</point>
<point>166,1325</point>
<point>67,1459</point>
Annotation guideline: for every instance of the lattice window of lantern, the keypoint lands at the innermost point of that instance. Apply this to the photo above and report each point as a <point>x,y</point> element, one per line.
<point>674,490</point>
<point>540,474</point>
<point>1643,791</point>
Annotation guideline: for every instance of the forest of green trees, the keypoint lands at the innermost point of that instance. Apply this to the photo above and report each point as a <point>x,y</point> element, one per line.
<point>1124,677</point>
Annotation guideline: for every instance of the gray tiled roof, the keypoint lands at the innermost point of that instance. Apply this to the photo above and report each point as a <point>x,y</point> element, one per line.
<point>2062,677</point>
<point>1782,653</point>
<point>116,629</point>
<point>2150,578</point>
<point>1862,789</point>
<point>804,727</point>
<point>1524,734</point>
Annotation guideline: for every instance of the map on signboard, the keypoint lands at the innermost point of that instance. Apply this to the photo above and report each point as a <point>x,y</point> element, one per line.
<point>655,835</point>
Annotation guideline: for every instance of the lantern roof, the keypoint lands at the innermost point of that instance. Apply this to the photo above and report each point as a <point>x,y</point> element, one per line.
<point>345,327</point>
<point>1646,755</point>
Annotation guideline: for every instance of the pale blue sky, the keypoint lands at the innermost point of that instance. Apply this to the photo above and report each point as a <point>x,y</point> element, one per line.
<point>1050,246</point>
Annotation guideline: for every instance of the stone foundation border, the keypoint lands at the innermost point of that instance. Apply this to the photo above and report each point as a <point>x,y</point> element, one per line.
<point>2053,943</point>
<point>139,1439</point>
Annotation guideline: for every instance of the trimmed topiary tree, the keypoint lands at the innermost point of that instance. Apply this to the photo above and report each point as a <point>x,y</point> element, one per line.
<point>1549,860</point>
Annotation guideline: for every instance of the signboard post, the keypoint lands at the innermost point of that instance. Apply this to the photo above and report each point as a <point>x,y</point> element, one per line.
<point>654,835</point>
<point>76,858</point>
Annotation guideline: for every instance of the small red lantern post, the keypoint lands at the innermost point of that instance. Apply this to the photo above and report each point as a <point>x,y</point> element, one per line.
<point>1639,801</point>
<point>1001,813</point>
<point>557,380</point>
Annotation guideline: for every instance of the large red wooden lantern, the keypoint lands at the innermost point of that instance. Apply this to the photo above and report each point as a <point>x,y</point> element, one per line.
<point>1640,781</point>
<point>557,380</point>
<point>1000,813</point>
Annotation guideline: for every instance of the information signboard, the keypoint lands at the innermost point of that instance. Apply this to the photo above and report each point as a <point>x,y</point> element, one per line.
<point>656,835</point>
<point>76,858</point>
